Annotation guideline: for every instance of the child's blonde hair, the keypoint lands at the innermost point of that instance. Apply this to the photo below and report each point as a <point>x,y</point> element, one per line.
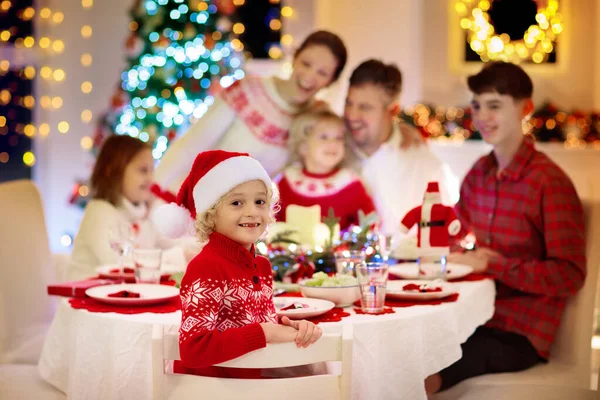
<point>303,125</point>
<point>205,222</point>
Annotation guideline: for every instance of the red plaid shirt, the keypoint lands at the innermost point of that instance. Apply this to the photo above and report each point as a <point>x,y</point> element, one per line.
<point>531,214</point>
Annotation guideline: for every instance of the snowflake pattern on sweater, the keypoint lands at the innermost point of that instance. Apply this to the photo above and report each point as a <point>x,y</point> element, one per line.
<point>226,292</point>
<point>212,304</point>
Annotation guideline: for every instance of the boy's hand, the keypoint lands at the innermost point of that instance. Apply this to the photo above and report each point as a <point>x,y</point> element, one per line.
<point>308,333</point>
<point>275,333</point>
<point>477,259</point>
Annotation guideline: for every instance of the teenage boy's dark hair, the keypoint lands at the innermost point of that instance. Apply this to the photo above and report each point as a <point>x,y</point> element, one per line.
<point>503,78</point>
<point>386,76</point>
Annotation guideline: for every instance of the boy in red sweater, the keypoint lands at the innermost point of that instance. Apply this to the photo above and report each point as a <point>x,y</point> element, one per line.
<point>318,142</point>
<point>227,290</point>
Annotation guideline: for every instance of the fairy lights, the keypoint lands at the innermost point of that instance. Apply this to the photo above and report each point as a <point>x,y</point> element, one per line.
<point>537,42</point>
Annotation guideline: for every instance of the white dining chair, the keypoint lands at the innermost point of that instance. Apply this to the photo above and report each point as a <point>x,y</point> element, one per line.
<point>569,367</point>
<point>25,309</point>
<point>331,347</point>
<point>25,271</point>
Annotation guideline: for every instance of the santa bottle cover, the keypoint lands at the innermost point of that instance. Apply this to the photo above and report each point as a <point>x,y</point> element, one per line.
<point>436,223</point>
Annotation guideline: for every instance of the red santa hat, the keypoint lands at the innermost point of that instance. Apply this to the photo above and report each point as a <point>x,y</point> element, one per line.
<point>433,187</point>
<point>214,173</point>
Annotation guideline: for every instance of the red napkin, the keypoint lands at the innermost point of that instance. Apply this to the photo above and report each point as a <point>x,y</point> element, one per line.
<point>76,288</point>
<point>126,270</point>
<point>92,305</point>
<point>125,294</point>
<point>386,310</point>
<point>295,306</point>
<point>415,287</point>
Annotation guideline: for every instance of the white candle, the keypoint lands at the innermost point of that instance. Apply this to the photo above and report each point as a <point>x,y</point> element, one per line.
<point>304,220</point>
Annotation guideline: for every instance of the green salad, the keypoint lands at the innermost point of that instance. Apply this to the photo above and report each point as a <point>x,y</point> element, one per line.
<point>321,279</point>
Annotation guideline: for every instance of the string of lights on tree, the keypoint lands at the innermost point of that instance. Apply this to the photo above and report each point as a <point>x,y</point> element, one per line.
<point>180,54</point>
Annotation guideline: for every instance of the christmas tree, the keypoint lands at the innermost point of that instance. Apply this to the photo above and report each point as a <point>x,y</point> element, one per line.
<point>180,53</point>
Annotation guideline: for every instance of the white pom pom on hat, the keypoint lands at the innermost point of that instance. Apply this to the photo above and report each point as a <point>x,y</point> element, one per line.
<point>214,173</point>
<point>171,220</point>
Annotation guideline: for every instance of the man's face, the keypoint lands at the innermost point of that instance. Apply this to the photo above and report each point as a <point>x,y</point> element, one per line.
<point>367,113</point>
<point>498,117</point>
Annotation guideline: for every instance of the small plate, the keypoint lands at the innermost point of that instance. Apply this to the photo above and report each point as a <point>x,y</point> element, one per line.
<point>315,307</point>
<point>411,271</point>
<point>395,290</point>
<point>107,271</point>
<point>149,294</point>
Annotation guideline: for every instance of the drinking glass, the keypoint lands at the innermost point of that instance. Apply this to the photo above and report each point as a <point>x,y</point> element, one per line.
<point>120,238</point>
<point>372,278</point>
<point>432,267</point>
<point>346,260</point>
<point>147,265</point>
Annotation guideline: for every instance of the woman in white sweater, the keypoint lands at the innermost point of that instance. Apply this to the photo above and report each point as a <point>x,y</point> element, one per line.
<point>254,114</point>
<point>120,185</point>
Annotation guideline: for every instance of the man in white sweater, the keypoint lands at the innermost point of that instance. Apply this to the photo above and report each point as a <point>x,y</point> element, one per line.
<point>396,175</point>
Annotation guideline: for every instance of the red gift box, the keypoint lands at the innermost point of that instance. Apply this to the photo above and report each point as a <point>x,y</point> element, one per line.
<point>76,288</point>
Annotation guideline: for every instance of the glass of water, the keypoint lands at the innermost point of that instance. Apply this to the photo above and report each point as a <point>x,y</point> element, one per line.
<point>147,265</point>
<point>346,260</point>
<point>432,267</point>
<point>372,278</point>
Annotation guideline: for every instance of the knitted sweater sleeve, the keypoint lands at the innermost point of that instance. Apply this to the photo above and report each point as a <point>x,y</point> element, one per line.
<point>201,343</point>
<point>203,135</point>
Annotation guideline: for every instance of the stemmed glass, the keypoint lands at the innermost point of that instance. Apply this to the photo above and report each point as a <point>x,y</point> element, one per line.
<point>121,238</point>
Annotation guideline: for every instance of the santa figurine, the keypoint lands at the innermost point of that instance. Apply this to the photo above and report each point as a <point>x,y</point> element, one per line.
<point>436,223</point>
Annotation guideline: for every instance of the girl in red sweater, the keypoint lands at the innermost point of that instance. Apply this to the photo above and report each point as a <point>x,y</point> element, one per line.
<point>227,290</point>
<point>318,144</point>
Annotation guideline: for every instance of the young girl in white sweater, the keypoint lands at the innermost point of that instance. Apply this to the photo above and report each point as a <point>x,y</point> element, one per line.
<point>120,187</point>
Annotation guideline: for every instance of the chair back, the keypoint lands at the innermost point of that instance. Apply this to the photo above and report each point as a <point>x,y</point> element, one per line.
<point>330,347</point>
<point>572,345</point>
<point>25,271</point>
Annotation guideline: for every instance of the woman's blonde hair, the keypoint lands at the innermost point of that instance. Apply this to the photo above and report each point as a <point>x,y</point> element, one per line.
<point>302,126</point>
<point>205,222</point>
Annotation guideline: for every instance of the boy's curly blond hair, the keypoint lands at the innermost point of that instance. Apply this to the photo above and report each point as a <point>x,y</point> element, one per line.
<point>205,222</point>
<point>302,126</point>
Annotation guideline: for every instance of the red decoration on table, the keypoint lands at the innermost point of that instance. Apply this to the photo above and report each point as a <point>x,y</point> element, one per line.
<point>76,288</point>
<point>435,223</point>
<point>126,270</point>
<point>125,294</point>
<point>386,310</point>
<point>417,288</point>
<point>295,306</point>
<point>334,315</point>
<point>304,268</point>
<point>92,305</point>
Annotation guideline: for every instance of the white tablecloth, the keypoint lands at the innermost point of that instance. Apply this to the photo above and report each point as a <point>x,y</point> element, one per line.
<point>108,356</point>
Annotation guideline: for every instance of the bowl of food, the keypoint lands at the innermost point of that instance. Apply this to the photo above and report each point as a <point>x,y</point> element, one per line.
<point>342,290</point>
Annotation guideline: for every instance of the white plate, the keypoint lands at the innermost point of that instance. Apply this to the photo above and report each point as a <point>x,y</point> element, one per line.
<point>315,307</point>
<point>395,290</point>
<point>149,294</point>
<point>105,271</point>
<point>411,271</point>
